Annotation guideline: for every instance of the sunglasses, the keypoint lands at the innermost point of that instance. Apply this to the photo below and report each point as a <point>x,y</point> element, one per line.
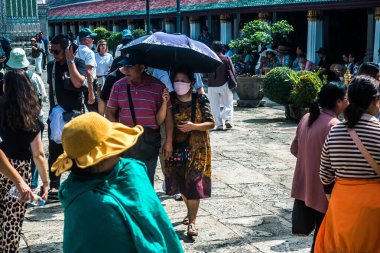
<point>55,51</point>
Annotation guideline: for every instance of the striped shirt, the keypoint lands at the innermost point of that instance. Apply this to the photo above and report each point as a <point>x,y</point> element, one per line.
<point>341,157</point>
<point>146,97</point>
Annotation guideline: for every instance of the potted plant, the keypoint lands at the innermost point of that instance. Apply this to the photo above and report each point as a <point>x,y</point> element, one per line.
<point>305,90</point>
<point>278,86</point>
<point>256,35</point>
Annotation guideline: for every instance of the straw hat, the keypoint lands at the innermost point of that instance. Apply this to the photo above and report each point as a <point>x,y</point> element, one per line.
<point>90,138</point>
<point>17,59</point>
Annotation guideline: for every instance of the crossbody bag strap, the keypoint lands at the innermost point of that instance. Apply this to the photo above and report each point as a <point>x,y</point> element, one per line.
<point>53,84</point>
<point>193,106</point>
<point>364,151</point>
<point>131,107</point>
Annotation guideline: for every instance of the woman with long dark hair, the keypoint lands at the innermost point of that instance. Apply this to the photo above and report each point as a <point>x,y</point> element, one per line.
<point>350,174</point>
<point>310,202</point>
<point>20,133</point>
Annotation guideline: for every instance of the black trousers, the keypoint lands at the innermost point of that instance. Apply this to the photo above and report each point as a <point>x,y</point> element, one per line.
<point>94,106</point>
<point>55,150</point>
<point>305,220</point>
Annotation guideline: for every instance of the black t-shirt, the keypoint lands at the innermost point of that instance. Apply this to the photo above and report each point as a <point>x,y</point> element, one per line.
<point>68,99</point>
<point>16,144</point>
<point>111,79</point>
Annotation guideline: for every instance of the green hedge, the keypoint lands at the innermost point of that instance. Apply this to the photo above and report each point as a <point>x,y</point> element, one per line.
<point>278,85</point>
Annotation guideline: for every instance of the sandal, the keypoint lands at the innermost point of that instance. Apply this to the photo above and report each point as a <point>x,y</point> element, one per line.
<point>186,220</point>
<point>191,230</point>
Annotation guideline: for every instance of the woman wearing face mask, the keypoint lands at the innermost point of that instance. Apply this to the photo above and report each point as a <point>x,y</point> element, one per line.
<point>188,170</point>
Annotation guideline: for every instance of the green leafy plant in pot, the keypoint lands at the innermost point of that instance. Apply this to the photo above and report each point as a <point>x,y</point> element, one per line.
<point>278,84</point>
<point>305,90</point>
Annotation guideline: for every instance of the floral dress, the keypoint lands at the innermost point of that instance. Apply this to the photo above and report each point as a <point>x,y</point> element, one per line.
<point>192,178</point>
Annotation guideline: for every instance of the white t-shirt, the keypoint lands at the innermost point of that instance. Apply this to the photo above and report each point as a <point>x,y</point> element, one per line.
<point>103,64</point>
<point>163,76</point>
<point>118,50</point>
<point>40,86</point>
<point>88,56</point>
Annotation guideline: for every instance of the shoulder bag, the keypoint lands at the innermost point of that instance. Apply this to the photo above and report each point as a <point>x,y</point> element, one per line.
<point>231,78</point>
<point>364,151</point>
<point>148,145</point>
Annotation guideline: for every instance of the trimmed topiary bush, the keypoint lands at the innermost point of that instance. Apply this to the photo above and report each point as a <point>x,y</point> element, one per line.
<point>278,85</point>
<point>102,33</point>
<point>113,41</point>
<point>137,33</point>
<point>306,88</point>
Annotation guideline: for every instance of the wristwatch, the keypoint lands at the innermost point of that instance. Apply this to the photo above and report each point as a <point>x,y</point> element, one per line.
<point>70,61</point>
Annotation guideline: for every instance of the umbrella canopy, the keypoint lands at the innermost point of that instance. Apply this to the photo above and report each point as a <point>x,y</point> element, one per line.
<point>164,51</point>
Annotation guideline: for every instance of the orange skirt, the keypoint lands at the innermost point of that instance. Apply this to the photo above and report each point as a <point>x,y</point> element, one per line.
<point>352,221</point>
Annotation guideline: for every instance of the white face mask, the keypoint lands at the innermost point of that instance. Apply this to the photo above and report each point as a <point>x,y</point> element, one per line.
<point>181,88</point>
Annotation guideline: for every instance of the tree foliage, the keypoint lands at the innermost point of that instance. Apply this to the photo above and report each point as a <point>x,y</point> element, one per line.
<point>102,33</point>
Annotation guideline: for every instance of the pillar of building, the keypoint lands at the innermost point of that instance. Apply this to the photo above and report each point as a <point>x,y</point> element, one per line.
<point>195,27</point>
<point>209,24</point>
<point>57,29</point>
<point>91,26</point>
<point>51,30</point>
<point>169,25</point>
<point>73,29</point>
<point>376,57</point>
<point>370,37</point>
<point>64,28</point>
<point>185,23</point>
<point>115,27</point>
<point>130,24</point>
<point>80,26</point>
<point>225,28</point>
<point>236,26</point>
<point>314,34</point>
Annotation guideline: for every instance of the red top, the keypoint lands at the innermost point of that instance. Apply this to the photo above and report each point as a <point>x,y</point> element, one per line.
<point>147,100</point>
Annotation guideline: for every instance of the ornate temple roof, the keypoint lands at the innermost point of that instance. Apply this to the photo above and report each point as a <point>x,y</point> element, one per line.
<point>103,9</point>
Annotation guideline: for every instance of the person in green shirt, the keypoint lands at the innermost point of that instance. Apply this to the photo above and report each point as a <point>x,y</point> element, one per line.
<point>109,203</point>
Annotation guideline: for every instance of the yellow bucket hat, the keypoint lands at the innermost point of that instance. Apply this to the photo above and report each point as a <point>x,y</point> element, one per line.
<point>90,138</point>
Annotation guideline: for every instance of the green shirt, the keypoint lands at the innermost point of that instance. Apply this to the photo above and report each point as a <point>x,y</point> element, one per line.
<point>117,211</point>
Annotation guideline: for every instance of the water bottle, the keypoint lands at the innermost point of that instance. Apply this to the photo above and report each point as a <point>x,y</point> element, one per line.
<point>36,201</point>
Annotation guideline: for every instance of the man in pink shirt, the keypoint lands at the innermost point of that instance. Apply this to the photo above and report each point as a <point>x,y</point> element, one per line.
<point>137,99</point>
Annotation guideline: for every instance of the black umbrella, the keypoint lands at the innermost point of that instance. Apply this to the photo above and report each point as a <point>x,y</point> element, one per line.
<point>164,51</point>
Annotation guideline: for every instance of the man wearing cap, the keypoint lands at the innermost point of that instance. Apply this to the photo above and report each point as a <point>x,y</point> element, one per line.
<point>136,99</point>
<point>126,37</point>
<point>86,40</point>
<point>284,56</point>
<point>37,50</point>
<point>324,64</point>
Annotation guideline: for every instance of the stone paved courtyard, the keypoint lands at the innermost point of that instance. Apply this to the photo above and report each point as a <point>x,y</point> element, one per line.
<point>250,210</point>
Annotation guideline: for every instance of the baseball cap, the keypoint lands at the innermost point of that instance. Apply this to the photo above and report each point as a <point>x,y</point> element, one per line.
<point>133,57</point>
<point>126,33</point>
<point>86,32</point>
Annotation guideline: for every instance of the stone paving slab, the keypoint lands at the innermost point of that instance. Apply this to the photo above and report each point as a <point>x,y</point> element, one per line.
<point>250,207</point>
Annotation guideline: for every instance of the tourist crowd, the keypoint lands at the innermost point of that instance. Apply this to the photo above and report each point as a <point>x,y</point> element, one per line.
<point>111,119</point>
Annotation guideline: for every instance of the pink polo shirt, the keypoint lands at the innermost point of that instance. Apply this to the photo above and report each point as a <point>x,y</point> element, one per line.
<point>146,97</point>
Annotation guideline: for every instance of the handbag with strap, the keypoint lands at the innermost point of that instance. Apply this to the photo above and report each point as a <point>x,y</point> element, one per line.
<point>231,78</point>
<point>148,145</point>
<point>364,151</point>
<point>181,151</point>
